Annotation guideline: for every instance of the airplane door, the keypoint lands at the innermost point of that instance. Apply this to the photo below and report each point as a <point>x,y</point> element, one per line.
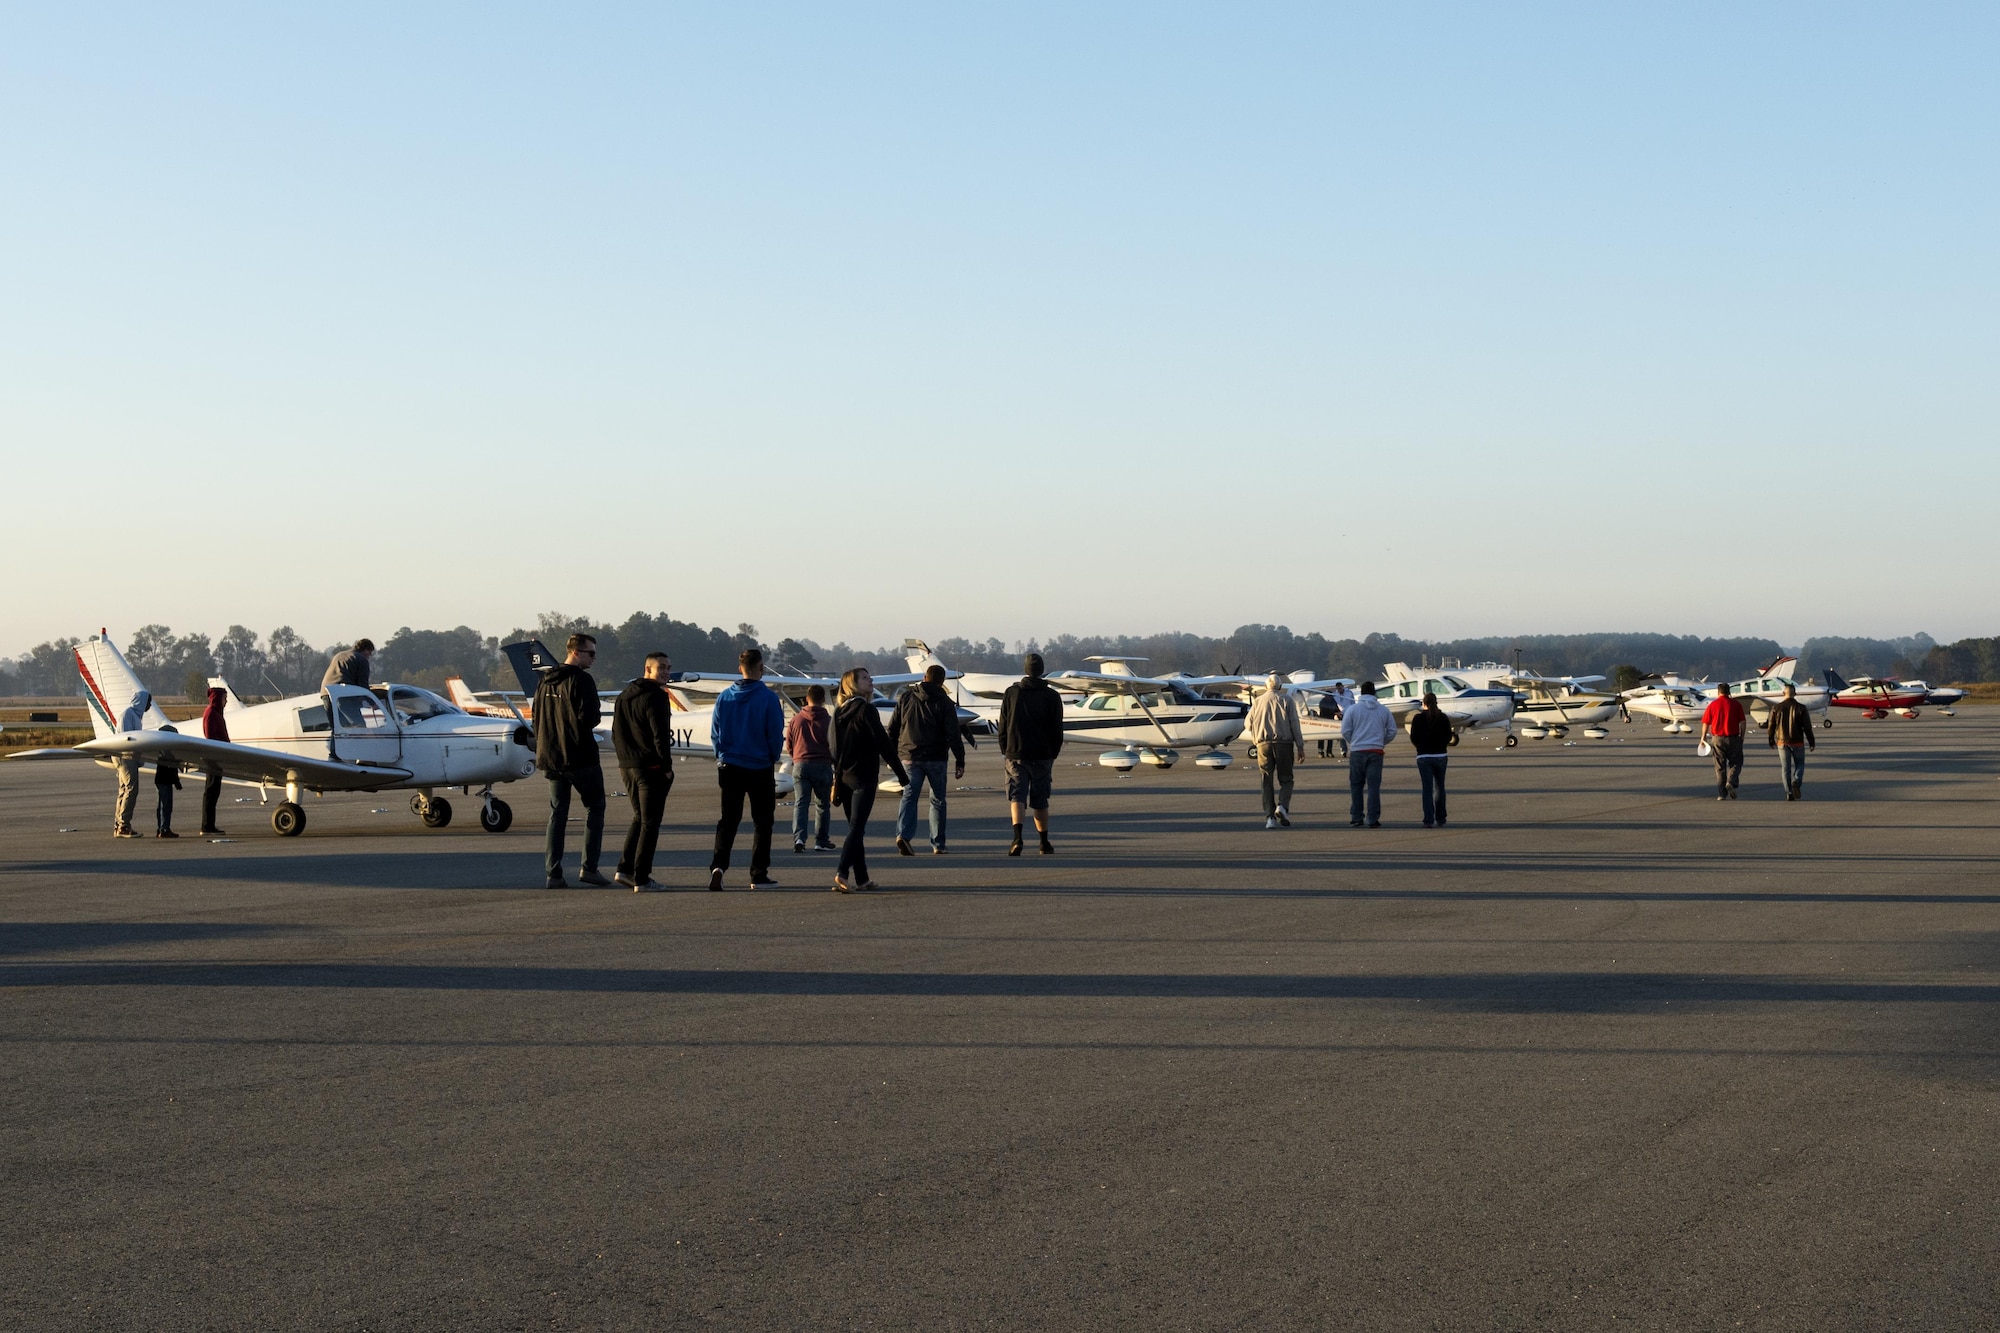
<point>364,728</point>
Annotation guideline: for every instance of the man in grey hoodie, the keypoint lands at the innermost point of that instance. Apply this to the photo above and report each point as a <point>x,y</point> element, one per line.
<point>1367,728</point>
<point>127,768</point>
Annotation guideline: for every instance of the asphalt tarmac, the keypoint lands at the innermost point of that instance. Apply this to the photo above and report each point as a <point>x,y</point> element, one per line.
<point>1604,1051</point>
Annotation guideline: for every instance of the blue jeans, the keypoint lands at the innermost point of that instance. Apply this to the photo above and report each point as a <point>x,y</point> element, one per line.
<point>1364,773</point>
<point>1795,765</point>
<point>922,771</point>
<point>587,783</point>
<point>812,794</point>
<point>1430,767</point>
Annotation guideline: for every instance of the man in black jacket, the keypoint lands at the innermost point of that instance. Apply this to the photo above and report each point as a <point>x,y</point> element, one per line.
<point>642,729</point>
<point>567,712</point>
<point>1430,732</point>
<point>924,730</point>
<point>1031,736</point>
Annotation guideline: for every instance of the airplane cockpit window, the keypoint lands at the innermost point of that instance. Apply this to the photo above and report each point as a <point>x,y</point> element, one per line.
<point>313,718</point>
<point>1456,685</point>
<point>415,705</point>
<point>1432,687</point>
<point>1101,701</point>
<point>362,713</point>
<point>1183,695</point>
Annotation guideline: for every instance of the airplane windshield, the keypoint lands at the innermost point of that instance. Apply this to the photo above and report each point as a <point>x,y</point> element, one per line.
<point>1455,685</point>
<point>415,704</point>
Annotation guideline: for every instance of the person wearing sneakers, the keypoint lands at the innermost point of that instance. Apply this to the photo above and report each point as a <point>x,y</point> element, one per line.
<point>1031,736</point>
<point>567,712</point>
<point>924,730</point>
<point>1430,732</point>
<point>860,748</point>
<point>1791,732</point>
<point>214,727</point>
<point>642,731</point>
<point>1722,730</point>
<point>808,743</point>
<point>1366,730</point>
<point>1274,728</point>
<point>748,732</point>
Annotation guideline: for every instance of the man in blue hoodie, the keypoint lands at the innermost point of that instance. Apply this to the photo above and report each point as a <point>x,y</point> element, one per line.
<point>748,732</point>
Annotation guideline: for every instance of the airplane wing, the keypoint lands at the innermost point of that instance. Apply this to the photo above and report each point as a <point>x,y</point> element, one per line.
<point>244,763</point>
<point>1104,682</point>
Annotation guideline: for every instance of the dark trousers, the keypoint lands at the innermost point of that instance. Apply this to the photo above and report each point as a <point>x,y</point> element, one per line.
<point>760,785</point>
<point>587,783</point>
<point>164,817</point>
<point>1364,778</point>
<point>1727,752</point>
<point>1430,767</point>
<point>211,795</point>
<point>853,855</point>
<point>1274,762</point>
<point>647,790</point>
<point>812,793</point>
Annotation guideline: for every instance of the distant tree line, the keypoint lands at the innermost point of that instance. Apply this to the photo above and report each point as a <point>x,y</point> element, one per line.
<point>283,663</point>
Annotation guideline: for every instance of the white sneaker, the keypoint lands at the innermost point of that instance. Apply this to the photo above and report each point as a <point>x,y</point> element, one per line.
<point>1282,814</point>
<point>1270,823</point>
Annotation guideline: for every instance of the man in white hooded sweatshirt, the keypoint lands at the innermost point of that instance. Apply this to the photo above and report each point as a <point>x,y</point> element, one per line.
<point>127,768</point>
<point>1367,729</point>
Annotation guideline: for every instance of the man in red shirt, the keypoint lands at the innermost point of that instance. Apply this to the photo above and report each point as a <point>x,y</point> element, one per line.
<point>1722,728</point>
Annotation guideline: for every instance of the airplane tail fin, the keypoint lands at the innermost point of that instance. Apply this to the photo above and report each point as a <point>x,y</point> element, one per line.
<point>530,658</point>
<point>1780,666</point>
<point>1834,681</point>
<point>111,686</point>
<point>461,694</point>
<point>235,700</point>
<point>918,655</point>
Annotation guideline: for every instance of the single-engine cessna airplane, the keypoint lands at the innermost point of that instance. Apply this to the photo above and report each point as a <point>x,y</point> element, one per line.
<point>389,737</point>
<point>1677,703</point>
<point>1402,692</point>
<point>1551,705</point>
<point>1875,698</point>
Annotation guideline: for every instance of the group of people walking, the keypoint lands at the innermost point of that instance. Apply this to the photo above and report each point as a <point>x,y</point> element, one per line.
<point>837,759</point>
<point>1274,727</point>
<point>1789,729</point>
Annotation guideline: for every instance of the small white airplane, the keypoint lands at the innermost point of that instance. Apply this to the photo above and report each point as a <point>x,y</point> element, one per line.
<point>1677,703</point>
<point>388,737</point>
<point>1551,705</point>
<point>1402,692</point>
<point>1940,697</point>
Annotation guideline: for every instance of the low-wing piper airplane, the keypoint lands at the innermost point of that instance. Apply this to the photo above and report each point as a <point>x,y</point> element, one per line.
<point>1940,697</point>
<point>390,737</point>
<point>1875,698</point>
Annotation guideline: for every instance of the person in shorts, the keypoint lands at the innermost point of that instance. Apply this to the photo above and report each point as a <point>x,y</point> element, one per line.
<point>1031,736</point>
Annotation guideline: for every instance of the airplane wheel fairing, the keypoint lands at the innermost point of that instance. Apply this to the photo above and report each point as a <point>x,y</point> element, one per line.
<point>1512,740</point>
<point>437,813</point>
<point>496,816</point>
<point>288,820</point>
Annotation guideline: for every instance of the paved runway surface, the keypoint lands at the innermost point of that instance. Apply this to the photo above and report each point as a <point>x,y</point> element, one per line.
<point>1603,1051</point>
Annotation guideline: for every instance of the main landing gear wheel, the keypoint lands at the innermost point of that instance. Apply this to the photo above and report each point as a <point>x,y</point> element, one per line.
<point>288,820</point>
<point>1453,740</point>
<point>436,812</point>
<point>496,816</point>
<point>1512,740</point>
<point>1826,724</point>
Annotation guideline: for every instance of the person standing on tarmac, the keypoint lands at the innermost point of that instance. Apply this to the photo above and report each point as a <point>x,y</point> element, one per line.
<point>1273,726</point>
<point>1328,710</point>
<point>166,781</point>
<point>860,747</point>
<point>748,732</point>
<point>1791,731</point>
<point>214,727</point>
<point>1366,731</point>
<point>1430,732</point>
<point>567,711</point>
<point>642,731</point>
<point>127,768</point>
<point>1722,730</point>
<point>350,666</point>
<point>924,729</point>
<point>808,742</point>
<point>1031,736</point>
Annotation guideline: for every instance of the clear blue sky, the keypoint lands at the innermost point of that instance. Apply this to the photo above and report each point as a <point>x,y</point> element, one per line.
<point>860,321</point>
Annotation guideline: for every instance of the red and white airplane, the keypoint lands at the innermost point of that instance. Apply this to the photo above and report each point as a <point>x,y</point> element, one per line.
<point>1875,698</point>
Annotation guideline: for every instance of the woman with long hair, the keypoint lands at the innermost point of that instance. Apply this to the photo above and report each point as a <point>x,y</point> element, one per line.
<point>859,748</point>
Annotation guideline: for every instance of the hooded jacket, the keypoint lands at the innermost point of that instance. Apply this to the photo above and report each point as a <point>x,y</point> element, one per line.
<point>748,726</point>
<point>860,746</point>
<point>213,725</point>
<point>806,736</point>
<point>567,711</point>
<point>347,668</point>
<point>1275,717</point>
<point>1031,720</point>
<point>642,726</point>
<point>134,717</point>
<point>1367,724</point>
<point>1430,731</point>
<point>924,727</point>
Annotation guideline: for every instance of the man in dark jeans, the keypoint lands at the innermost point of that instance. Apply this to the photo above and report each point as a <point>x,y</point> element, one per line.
<point>642,730</point>
<point>748,732</point>
<point>1031,736</point>
<point>1430,732</point>
<point>1722,729</point>
<point>924,730</point>
<point>806,741</point>
<point>1791,732</point>
<point>567,712</point>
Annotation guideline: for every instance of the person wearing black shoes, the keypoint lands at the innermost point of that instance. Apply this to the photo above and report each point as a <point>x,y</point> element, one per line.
<point>1722,732</point>
<point>924,730</point>
<point>214,727</point>
<point>860,748</point>
<point>642,731</point>
<point>1031,736</point>
<point>567,711</point>
<point>1430,732</point>
<point>812,771</point>
<point>1366,728</point>
<point>1790,729</point>
<point>166,781</point>
<point>748,732</point>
